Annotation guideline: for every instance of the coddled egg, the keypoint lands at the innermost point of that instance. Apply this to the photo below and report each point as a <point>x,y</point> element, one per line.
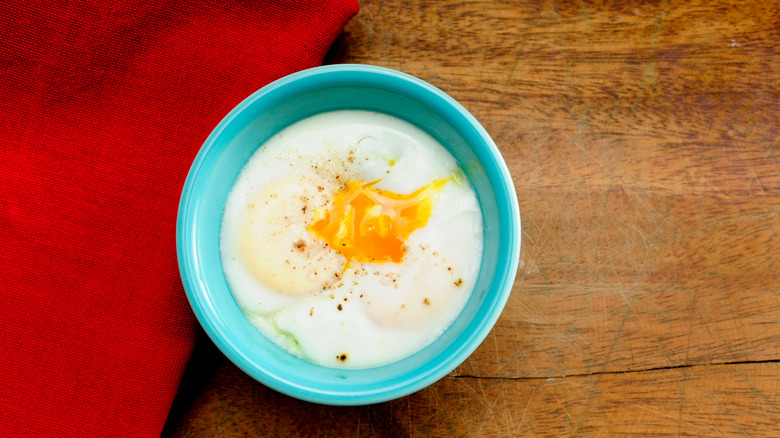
<point>351,239</point>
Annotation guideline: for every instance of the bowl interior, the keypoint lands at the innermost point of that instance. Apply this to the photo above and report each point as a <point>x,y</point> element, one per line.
<point>276,107</point>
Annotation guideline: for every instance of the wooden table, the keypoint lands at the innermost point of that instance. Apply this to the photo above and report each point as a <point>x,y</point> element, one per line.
<point>643,142</point>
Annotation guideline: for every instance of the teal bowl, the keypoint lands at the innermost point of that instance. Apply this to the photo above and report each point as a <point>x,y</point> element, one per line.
<point>281,104</point>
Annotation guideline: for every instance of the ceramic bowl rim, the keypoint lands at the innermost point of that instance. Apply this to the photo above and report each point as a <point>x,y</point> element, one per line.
<point>327,76</point>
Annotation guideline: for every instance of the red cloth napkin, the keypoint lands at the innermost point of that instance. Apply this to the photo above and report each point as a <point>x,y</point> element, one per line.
<point>103,106</point>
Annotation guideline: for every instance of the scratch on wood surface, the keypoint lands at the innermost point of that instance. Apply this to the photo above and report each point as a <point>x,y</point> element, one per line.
<point>586,17</point>
<point>656,339</point>
<point>607,422</point>
<point>607,193</point>
<point>707,416</point>
<point>496,350</point>
<point>682,403</point>
<point>508,408</point>
<point>691,305</point>
<point>753,173</point>
<point>533,429</point>
<point>668,416</point>
<point>570,420</point>
<point>525,410</point>
<point>490,413</point>
<point>724,410</point>
<point>479,395</point>
<point>597,376</point>
<point>758,394</point>
<point>512,70</point>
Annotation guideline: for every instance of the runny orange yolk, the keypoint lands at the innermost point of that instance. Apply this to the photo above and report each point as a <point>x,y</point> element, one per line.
<point>369,225</point>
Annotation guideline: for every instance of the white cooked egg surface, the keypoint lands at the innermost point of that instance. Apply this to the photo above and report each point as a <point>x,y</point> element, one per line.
<point>351,239</point>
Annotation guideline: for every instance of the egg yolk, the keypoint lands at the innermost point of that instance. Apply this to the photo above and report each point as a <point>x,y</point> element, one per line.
<point>369,225</point>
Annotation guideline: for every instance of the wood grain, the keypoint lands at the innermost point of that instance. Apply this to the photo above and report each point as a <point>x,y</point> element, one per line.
<point>713,400</point>
<point>642,138</point>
